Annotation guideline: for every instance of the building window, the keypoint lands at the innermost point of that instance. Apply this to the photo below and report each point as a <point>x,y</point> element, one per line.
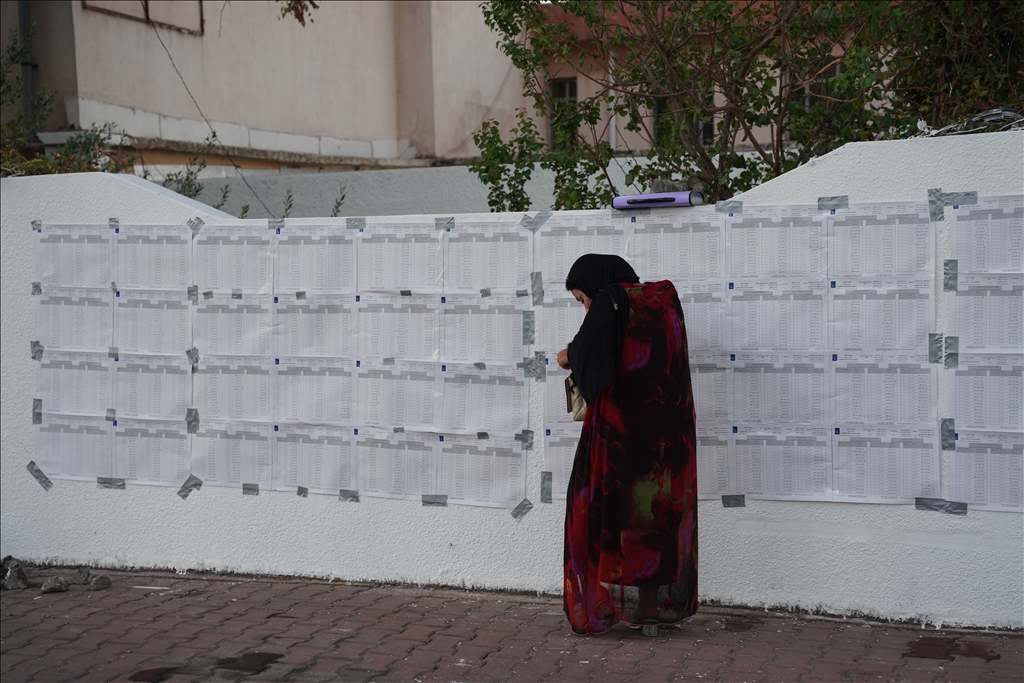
<point>182,15</point>
<point>559,90</point>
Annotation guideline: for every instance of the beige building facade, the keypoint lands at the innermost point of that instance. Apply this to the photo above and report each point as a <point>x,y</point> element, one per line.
<point>363,85</point>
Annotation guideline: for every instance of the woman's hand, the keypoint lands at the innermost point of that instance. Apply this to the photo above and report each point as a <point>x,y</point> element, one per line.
<point>563,359</point>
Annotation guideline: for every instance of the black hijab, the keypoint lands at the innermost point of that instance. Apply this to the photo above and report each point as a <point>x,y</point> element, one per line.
<point>593,272</point>
<point>594,352</point>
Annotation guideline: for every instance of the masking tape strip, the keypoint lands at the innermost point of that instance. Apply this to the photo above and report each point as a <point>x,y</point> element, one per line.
<point>537,285</point>
<point>388,361</point>
<point>405,292</point>
<point>113,223</point>
<point>207,295</point>
<point>519,511</point>
<point>192,355</point>
<point>480,366</point>
<point>250,489</point>
<point>110,483</point>
<point>236,293</point>
<point>192,420</point>
<point>37,225</point>
<point>37,350</point>
<point>947,433</point>
<point>482,435</point>
<point>485,292</point>
<point>37,288</point>
<point>111,415</point>
<point>519,292</point>
<point>940,505</point>
<point>950,268</point>
<point>196,224</point>
<point>43,480</point>
<point>738,501</point>
<point>37,411</point>
<point>442,222</point>
<point>300,296</point>
<point>193,483</point>
<point>952,360</point>
<point>113,287</point>
<point>112,352</point>
<point>355,222</point>
<point>841,201</point>
<point>938,199</point>
<point>348,496</point>
<point>534,367</point>
<point>526,437</point>
<point>545,486</point>
<point>193,293</point>
<point>934,347</point>
<point>534,223</point>
<point>399,430</point>
<point>275,223</point>
<point>302,492</point>
<point>529,327</point>
<point>729,206</point>
<point>432,500</point>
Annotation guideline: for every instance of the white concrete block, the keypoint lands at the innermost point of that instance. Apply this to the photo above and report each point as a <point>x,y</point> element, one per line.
<point>231,134</point>
<point>283,142</point>
<point>135,122</point>
<point>335,147</point>
<point>183,130</point>
<point>385,149</point>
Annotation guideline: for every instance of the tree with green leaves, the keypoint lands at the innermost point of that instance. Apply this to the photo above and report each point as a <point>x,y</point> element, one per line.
<point>726,94</point>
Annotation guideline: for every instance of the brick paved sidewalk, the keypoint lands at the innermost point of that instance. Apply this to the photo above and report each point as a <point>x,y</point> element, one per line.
<point>167,627</point>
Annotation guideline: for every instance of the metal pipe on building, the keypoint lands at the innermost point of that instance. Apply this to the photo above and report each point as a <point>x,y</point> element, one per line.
<point>24,34</point>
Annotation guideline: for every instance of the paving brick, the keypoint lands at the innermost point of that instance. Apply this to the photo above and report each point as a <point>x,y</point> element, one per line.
<point>360,633</point>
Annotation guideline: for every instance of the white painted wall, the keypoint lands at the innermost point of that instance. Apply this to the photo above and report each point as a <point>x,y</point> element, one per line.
<point>893,562</point>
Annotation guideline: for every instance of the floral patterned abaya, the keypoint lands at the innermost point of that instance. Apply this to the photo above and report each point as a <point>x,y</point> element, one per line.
<point>631,517</point>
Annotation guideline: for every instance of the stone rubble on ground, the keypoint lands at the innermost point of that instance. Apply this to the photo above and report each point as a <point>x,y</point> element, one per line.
<point>13,574</point>
<point>81,577</point>
<point>100,582</point>
<point>55,584</point>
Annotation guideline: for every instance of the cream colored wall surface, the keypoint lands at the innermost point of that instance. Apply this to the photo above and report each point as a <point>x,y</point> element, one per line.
<point>415,73</point>
<point>473,80</point>
<point>335,77</point>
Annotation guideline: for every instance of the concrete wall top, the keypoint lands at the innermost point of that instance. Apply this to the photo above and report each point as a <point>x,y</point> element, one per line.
<point>899,170</point>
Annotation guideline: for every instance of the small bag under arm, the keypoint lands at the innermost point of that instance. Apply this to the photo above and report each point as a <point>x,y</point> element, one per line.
<point>574,402</point>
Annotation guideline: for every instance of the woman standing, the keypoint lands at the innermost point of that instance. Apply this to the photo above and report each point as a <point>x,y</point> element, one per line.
<point>631,516</point>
